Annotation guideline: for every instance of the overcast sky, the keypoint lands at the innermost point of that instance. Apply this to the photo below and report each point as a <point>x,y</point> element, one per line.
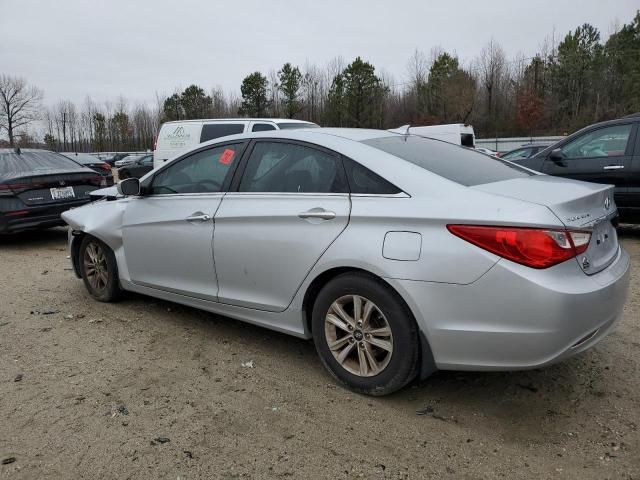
<point>134,48</point>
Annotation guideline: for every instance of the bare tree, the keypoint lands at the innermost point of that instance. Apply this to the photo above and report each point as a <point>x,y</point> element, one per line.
<point>19,104</point>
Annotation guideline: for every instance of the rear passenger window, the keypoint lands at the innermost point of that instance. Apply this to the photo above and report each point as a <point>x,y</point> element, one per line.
<point>262,127</point>
<point>362,180</point>
<point>280,167</point>
<point>217,130</point>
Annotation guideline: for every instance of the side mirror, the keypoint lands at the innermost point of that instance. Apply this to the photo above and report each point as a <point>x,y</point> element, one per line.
<point>129,187</point>
<point>556,155</point>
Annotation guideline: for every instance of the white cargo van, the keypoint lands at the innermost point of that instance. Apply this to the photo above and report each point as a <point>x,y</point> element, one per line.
<point>457,133</point>
<point>174,137</point>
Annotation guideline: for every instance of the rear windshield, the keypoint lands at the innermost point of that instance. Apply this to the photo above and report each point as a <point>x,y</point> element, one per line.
<point>450,161</point>
<point>83,158</point>
<point>24,162</point>
<point>296,125</point>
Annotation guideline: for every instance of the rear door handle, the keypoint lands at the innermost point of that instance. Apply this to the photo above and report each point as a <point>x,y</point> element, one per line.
<point>318,213</point>
<point>198,217</point>
<point>613,167</point>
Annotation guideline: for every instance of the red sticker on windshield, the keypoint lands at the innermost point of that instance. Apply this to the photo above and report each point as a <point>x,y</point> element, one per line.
<point>227,156</point>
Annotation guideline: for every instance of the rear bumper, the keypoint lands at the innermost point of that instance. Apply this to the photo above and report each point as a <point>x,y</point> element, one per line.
<point>36,217</point>
<point>516,317</point>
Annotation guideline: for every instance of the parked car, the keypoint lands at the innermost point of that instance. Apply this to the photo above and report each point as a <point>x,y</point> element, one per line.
<point>36,186</point>
<point>110,158</point>
<point>131,159</point>
<point>397,254</point>
<point>486,151</point>
<point>525,151</point>
<point>137,169</point>
<point>92,162</point>
<point>174,137</point>
<point>606,152</point>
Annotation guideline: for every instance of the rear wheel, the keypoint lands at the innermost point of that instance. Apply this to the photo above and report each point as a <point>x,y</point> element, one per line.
<point>365,335</point>
<point>99,270</point>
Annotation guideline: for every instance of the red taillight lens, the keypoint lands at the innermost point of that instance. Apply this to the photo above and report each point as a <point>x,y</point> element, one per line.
<point>106,166</point>
<point>536,248</point>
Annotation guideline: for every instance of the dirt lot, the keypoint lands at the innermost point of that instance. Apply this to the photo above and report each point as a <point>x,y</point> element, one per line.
<point>101,383</point>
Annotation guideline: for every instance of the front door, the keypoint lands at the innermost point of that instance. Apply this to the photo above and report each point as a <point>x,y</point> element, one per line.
<point>291,203</point>
<point>600,156</point>
<point>168,232</point>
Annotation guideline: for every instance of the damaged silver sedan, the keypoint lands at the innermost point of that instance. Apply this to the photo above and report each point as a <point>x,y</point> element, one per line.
<point>397,254</point>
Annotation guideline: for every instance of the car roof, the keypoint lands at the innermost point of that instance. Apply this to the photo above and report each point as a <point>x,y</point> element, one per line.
<point>240,119</point>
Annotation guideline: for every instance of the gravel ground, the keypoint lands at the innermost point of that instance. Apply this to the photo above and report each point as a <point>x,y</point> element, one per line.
<point>149,389</point>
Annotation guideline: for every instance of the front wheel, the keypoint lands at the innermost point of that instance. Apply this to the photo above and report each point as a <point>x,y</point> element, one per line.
<point>99,270</point>
<point>365,335</point>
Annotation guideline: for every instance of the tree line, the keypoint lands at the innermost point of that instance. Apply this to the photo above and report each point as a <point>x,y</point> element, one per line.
<point>580,80</point>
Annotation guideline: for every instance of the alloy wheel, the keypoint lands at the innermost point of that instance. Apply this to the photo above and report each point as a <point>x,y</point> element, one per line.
<point>95,266</point>
<point>358,335</point>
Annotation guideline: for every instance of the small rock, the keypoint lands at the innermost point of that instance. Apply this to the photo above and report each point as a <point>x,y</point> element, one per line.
<point>427,410</point>
<point>46,329</point>
<point>125,423</point>
<point>162,439</point>
<point>122,409</point>
<point>44,272</point>
<point>188,453</point>
<point>18,378</point>
<point>8,460</point>
<point>49,312</point>
<point>248,364</point>
<point>69,317</point>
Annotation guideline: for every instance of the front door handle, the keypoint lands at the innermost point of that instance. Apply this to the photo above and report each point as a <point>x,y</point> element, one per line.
<point>318,213</point>
<point>198,217</point>
<point>613,167</point>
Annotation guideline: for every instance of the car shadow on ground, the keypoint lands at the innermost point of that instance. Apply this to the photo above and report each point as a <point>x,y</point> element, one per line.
<point>35,238</point>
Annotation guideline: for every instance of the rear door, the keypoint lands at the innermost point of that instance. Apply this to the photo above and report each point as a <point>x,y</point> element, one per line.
<point>291,202</point>
<point>601,155</point>
<point>168,232</point>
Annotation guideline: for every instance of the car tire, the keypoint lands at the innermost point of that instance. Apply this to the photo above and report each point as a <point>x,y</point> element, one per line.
<point>361,355</point>
<point>99,270</point>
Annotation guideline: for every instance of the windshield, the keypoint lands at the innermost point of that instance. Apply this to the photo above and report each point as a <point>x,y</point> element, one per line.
<point>452,162</point>
<point>11,162</point>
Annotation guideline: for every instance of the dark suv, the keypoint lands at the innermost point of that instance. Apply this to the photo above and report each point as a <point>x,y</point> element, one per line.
<point>606,152</point>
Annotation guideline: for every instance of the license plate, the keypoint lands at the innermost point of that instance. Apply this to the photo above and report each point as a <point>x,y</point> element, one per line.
<point>62,193</point>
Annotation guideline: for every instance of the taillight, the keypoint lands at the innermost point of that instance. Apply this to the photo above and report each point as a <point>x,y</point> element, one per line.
<point>7,189</point>
<point>105,166</point>
<point>536,248</point>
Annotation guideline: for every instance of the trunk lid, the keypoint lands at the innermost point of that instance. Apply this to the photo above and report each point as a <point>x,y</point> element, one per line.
<point>52,186</point>
<point>578,205</point>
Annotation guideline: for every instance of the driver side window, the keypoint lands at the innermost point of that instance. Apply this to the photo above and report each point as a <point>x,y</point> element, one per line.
<point>604,142</point>
<point>202,172</point>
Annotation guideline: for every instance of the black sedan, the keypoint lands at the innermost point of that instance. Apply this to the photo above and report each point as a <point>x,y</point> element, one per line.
<point>137,169</point>
<point>92,162</point>
<point>36,186</point>
<point>606,152</point>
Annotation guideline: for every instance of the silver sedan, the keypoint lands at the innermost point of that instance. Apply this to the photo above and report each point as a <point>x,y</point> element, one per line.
<point>399,255</point>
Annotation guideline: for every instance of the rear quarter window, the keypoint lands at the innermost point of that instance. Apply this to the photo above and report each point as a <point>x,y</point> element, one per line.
<point>217,130</point>
<point>459,164</point>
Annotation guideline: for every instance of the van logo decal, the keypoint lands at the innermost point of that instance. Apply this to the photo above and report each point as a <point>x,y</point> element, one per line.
<point>607,203</point>
<point>178,133</point>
